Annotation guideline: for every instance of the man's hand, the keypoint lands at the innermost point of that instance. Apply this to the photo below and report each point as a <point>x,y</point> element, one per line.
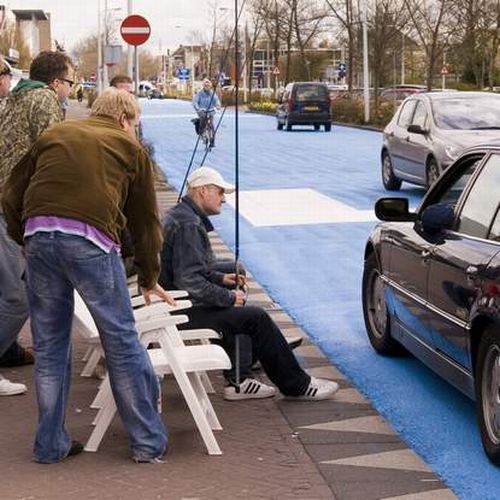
<point>159,292</point>
<point>241,298</point>
<point>229,280</point>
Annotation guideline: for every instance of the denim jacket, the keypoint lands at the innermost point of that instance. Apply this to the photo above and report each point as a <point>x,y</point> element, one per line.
<point>187,258</point>
<point>203,99</point>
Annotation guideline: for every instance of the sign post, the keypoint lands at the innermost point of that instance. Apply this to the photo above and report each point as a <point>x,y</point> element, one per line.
<point>135,30</point>
<point>444,72</point>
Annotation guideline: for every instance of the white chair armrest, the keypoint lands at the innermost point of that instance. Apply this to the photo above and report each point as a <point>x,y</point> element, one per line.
<point>160,322</point>
<point>160,308</point>
<point>199,334</point>
<point>138,300</point>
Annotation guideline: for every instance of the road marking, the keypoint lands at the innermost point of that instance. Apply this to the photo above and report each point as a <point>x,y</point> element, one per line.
<point>373,425</point>
<point>286,207</point>
<point>397,459</point>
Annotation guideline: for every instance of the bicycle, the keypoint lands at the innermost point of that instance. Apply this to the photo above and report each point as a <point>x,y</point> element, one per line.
<point>206,128</point>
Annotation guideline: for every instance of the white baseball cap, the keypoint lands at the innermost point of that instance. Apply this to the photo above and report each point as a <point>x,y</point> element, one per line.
<point>204,176</point>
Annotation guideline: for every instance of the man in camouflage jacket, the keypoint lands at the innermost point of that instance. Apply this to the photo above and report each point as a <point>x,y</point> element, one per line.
<point>33,105</point>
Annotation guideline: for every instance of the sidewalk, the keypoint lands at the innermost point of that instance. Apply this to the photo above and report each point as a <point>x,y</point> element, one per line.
<point>340,449</point>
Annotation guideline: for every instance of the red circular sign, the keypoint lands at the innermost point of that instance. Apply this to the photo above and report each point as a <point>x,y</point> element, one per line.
<point>135,30</point>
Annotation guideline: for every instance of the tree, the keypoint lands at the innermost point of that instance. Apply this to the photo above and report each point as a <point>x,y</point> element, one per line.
<point>386,24</point>
<point>344,12</point>
<point>431,23</point>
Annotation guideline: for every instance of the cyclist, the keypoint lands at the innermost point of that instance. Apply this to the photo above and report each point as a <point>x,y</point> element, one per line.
<point>206,102</point>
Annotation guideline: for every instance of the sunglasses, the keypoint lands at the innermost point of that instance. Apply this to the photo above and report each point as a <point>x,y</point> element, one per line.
<point>6,72</point>
<point>69,82</point>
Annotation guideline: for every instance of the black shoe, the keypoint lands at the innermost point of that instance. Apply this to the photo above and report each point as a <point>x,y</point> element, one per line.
<point>294,342</point>
<point>76,448</point>
<point>212,145</point>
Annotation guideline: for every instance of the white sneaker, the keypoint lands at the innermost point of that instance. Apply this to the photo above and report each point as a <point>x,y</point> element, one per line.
<point>8,388</point>
<point>318,390</point>
<point>249,389</point>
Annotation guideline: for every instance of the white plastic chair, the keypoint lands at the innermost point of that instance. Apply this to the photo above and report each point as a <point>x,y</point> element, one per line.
<point>88,330</point>
<point>185,363</point>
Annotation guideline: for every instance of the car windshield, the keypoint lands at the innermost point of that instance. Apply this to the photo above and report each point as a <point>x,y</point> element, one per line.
<point>310,93</point>
<point>467,113</point>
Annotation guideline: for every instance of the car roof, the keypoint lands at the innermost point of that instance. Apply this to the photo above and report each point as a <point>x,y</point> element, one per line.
<point>308,83</point>
<point>440,95</point>
<point>493,146</point>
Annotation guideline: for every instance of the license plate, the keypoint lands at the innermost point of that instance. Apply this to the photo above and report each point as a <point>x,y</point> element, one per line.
<point>311,108</point>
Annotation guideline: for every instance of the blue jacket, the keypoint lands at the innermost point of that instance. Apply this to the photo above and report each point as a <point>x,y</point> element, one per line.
<point>203,99</point>
<point>187,258</point>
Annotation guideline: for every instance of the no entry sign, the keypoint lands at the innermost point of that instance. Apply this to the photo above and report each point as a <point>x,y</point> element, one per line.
<point>135,30</point>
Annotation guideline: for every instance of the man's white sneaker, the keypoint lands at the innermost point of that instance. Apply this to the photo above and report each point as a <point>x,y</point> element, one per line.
<point>318,390</point>
<point>249,389</point>
<point>8,388</point>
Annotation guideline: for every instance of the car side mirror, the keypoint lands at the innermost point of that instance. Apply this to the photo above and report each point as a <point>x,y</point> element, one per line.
<point>393,210</point>
<point>416,129</point>
<point>436,218</point>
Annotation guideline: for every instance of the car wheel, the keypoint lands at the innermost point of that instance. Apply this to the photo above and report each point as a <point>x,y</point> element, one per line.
<point>432,172</point>
<point>488,390</point>
<point>328,127</point>
<point>375,312</point>
<point>279,126</point>
<point>316,126</point>
<point>390,181</point>
<point>288,125</point>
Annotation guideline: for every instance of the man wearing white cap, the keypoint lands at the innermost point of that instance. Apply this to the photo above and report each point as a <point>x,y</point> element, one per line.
<point>188,263</point>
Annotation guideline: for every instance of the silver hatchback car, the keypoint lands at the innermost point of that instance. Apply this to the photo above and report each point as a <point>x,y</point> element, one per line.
<point>430,130</point>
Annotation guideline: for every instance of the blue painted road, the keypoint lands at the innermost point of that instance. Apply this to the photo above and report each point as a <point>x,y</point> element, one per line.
<point>314,272</point>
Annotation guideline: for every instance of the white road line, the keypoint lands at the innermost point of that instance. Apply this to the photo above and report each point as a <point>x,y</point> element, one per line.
<point>285,207</point>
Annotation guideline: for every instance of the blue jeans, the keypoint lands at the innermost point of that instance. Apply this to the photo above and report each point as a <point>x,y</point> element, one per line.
<point>13,301</point>
<point>56,264</point>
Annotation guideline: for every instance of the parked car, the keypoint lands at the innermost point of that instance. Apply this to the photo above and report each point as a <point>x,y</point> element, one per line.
<point>304,103</point>
<point>429,130</point>
<point>431,282</point>
<point>401,92</point>
<point>155,94</point>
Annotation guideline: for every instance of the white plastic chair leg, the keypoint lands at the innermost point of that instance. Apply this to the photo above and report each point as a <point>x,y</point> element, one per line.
<point>89,368</point>
<point>103,421</point>
<point>87,354</point>
<point>204,400</point>
<point>207,384</point>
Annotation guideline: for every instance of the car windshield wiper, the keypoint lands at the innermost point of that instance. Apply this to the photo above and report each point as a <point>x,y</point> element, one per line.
<point>490,127</point>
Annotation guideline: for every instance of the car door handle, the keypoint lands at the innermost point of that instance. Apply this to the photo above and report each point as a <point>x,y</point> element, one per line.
<point>407,138</point>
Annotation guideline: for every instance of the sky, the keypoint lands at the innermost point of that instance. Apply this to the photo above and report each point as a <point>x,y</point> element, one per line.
<point>172,21</point>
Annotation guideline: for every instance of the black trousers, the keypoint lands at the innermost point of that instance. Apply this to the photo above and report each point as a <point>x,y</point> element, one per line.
<point>267,343</point>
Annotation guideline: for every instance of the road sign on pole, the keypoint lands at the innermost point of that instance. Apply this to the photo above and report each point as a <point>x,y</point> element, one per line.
<point>135,30</point>
<point>276,71</point>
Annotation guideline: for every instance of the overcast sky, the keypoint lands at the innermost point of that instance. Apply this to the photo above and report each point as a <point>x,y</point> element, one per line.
<point>172,21</point>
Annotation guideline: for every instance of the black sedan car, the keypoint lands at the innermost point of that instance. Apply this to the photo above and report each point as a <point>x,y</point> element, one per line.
<point>431,282</point>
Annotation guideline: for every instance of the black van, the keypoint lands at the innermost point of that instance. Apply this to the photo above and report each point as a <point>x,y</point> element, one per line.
<point>304,103</point>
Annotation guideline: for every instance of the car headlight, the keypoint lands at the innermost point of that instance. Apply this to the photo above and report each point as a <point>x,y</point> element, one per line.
<point>452,152</point>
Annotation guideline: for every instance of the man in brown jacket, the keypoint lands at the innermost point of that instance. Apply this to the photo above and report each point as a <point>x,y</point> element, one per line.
<point>67,202</point>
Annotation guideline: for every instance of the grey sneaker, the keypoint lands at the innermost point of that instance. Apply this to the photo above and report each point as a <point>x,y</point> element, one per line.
<point>8,388</point>
<point>318,390</point>
<point>249,389</point>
